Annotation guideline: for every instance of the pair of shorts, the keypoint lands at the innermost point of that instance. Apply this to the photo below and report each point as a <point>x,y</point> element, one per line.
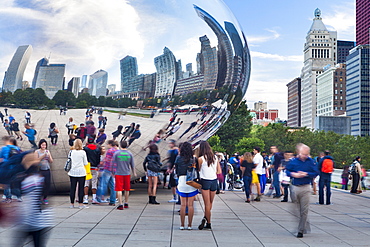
<point>255,179</point>
<point>94,180</point>
<point>173,180</point>
<point>122,182</point>
<point>191,194</point>
<point>209,184</point>
<point>152,174</point>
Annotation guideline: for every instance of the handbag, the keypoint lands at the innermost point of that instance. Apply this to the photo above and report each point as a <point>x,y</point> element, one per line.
<point>88,171</point>
<point>192,177</point>
<point>68,165</point>
<point>153,165</point>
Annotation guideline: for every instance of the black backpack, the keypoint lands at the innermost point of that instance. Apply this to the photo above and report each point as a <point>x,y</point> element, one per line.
<point>11,169</point>
<point>352,169</point>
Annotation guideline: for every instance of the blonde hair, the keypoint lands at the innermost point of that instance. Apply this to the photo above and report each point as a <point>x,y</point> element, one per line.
<point>77,145</point>
<point>248,157</point>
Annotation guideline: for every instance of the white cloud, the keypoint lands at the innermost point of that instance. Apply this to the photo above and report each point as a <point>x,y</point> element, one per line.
<point>343,20</point>
<point>253,40</point>
<point>276,57</point>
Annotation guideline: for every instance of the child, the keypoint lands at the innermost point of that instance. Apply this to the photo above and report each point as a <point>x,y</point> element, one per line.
<point>81,132</point>
<point>30,133</point>
<point>117,132</point>
<point>7,127</point>
<point>101,137</point>
<point>71,140</point>
<point>283,178</point>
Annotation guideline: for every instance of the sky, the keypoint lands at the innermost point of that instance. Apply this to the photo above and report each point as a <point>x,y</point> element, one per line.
<point>91,35</point>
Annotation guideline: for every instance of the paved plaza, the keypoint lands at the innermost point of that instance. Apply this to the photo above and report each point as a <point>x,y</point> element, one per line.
<point>235,223</point>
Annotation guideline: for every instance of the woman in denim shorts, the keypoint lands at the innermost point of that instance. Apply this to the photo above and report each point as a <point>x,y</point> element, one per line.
<point>153,156</point>
<point>209,168</point>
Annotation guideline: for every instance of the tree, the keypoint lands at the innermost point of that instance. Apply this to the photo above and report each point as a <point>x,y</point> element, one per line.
<point>101,101</point>
<point>63,97</point>
<point>236,127</point>
<point>82,104</point>
<point>215,143</point>
<point>89,99</point>
<point>246,144</point>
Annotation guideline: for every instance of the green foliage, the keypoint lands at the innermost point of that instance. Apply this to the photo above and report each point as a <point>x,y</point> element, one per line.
<point>246,144</point>
<point>82,104</point>
<point>89,99</point>
<point>215,143</point>
<point>6,98</point>
<point>31,98</point>
<point>236,127</point>
<point>126,102</point>
<point>63,97</point>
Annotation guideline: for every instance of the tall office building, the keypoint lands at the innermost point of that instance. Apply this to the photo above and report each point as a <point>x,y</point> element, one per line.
<point>343,48</point>
<point>358,82</point>
<point>294,103</point>
<point>319,51</point>
<point>74,86</point>
<point>51,78</point>
<point>98,83</point>
<point>208,64</point>
<point>362,22</point>
<point>149,84</point>
<point>14,75</point>
<point>129,69</point>
<point>167,67</point>
<point>111,88</point>
<point>331,91</point>
<point>83,83</point>
<point>42,62</point>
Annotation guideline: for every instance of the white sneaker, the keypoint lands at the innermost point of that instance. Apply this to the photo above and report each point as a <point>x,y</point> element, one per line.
<point>94,201</point>
<point>19,199</point>
<point>82,207</point>
<point>86,201</point>
<point>173,200</point>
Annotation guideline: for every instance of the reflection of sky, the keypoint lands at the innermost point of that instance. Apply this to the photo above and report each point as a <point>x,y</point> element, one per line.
<point>93,35</point>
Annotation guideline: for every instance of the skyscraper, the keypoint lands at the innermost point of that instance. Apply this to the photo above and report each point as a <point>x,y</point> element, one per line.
<point>14,75</point>
<point>294,103</point>
<point>319,51</point>
<point>343,50</point>
<point>362,22</point>
<point>50,78</point>
<point>83,83</point>
<point>111,88</point>
<point>208,64</point>
<point>74,86</point>
<point>42,62</point>
<point>358,81</point>
<point>129,69</point>
<point>167,67</point>
<point>98,83</point>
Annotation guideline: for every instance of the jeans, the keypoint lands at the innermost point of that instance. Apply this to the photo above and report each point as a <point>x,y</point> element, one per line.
<point>286,191</point>
<point>106,180</point>
<point>33,143</point>
<point>247,185</point>
<point>325,179</point>
<point>262,179</point>
<point>276,184</point>
<point>100,124</point>
<point>12,189</point>
<point>54,139</point>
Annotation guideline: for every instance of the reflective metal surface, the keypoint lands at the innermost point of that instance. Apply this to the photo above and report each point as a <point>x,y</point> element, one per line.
<point>190,45</point>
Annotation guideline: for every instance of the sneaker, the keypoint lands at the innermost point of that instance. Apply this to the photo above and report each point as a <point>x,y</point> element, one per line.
<point>120,207</point>
<point>71,206</point>
<point>189,228</point>
<point>45,201</point>
<point>182,228</point>
<point>126,205</point>
<point>82,207</point>
<point>86,201</point>
<point>112,204</point>
<point>284,200</point>
<point>94,201</point>
<point>300,235</point>
<point>19,199</point>
<point>208,227</point>
<point>173,200</point>
<point>202,223</point>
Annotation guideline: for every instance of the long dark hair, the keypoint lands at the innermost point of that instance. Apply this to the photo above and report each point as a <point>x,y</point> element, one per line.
<point>153,148</point>
<point>186,151</point>
<point>41,142</point>
<point>52,125</point>
<point>119,128</point>
<point>206,151</point>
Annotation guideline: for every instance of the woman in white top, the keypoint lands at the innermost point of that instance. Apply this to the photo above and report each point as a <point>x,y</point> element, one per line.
<point>77,173</point>
<point>46,160</point>
<point>70,126</point>
<point>209,167</point>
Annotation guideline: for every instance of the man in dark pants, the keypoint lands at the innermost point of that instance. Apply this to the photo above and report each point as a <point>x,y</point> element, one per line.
<point>325,168</point>
<point>192,125</point>
<point>277,158</point>
<point>302,169</point>
<point>135,135</point>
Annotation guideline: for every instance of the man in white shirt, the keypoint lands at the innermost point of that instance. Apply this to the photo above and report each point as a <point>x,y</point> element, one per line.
<point>173,130</point>
<point>260,170</point>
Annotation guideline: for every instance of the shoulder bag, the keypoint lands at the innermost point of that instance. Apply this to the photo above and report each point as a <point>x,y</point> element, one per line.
<point>68,165</point>
<point>192,177</point>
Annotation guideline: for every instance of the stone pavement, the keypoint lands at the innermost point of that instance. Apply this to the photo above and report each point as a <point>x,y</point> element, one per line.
<point>266,223</point>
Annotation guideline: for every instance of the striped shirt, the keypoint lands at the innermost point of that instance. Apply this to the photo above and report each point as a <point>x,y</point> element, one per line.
<point>108,160</point>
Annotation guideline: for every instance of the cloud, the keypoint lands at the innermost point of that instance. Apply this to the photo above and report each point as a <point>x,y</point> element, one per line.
<point>253,40</point>
<point>276,57</point>
<point>342,20</point>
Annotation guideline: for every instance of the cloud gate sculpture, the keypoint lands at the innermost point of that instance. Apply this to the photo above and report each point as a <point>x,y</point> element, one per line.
<point>158,49</point>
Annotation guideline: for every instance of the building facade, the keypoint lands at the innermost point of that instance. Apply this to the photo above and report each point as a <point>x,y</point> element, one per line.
<point>338,124</point>
<point>358,90</point>
<point>208,64</point>
<point>74,86</point>
<point>42,62</point>
<point>343,48</point>
<point>331,91</point>
<point>83,83</point>
<point>319,51</point>
<point>149,84</point>
<point>14,75</point>
<point>98,83</point>
<point>166,67</point>
<point>362,22</point>
<point>50,78</point>
<point>111,88</point>
<point>294,103</point>
<point>189,85</point>
<point>129,69</point>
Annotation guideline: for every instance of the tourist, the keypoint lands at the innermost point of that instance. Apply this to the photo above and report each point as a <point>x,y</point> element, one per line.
<point>246,168</point>
<point>93,157</point>
<point>302,169</point>
<point>128,131</point>
<point>53,134</point>
<point>355,175</point>
<point>105,120</point>
<point>46,159</point>
<point>71,139</point>
<point>27,116</point>
<point>81,132</point>
<point>101,137</point>
<point>192,125</point>
<point>107,178</point>
<point>135,135</point>
<point>90,129</point>
<point>117,132</point>
<point>260,170</point>
<point>156,139</point>
<point>11,118</point>
<point>221,184</point>
<point>100,121</point>
<point>172,119</point>
<point>6,111</point>
<point>209,167</point>
<point>326,168</point>
<point>363,177</point>
<point>283,177</point>
<point>171,157</point>
<point>277,157</point>
<point>77,173</point>
<point>186,192</point>
<point>154,158</point>
<point>14,126</point>
<point>70,126</point>
<point>30,133</point>
<point>7,127</point>
<point>344,177</point>
<point>2,117</point>
<point>123,167</point>
<point>173,130</point>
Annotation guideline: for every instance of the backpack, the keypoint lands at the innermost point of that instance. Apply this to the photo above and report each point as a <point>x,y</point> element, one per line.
<point>327,166</point>
<point>153,165</point>
<point>10,169</point>
<point>352,169</point>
